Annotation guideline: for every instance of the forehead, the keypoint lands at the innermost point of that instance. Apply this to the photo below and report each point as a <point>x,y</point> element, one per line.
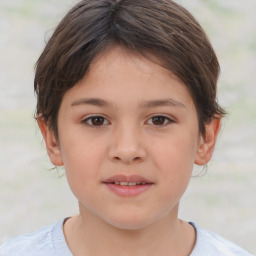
<point>122,74</point>
<point>117,54</point>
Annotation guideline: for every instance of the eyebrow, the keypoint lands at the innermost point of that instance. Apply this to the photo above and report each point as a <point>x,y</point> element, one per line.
<point>162,102</point>
<point>145,104</point>
<point>91,101</point>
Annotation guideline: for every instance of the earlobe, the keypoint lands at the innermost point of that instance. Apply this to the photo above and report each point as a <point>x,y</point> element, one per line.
<point>51,144</point>
<point>207,143</point>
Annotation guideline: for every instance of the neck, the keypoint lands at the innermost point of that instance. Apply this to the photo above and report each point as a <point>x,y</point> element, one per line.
<point>88,235</point>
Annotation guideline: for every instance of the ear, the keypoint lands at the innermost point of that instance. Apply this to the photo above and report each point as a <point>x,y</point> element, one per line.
<point>51,144</point>
<point>207,143</point>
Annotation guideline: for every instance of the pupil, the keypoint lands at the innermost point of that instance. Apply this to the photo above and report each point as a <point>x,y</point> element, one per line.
<point>158,120</point>
<point>97,121</point>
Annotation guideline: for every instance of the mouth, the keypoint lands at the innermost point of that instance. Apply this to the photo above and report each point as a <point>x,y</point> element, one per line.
<point>123,185</point>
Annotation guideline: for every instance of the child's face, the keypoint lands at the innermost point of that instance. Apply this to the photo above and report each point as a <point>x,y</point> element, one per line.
<point>143,123</point>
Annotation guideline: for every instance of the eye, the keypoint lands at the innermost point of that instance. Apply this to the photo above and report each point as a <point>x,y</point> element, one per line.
<point>160,120</point>
<point>95,121</point>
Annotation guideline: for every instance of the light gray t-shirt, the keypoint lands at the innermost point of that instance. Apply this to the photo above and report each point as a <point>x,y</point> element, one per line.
<point>50,241</point>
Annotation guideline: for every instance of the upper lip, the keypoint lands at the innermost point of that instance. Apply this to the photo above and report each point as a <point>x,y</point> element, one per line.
<point>127,178</point>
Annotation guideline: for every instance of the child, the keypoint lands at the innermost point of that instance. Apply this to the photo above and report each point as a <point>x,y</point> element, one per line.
<point>127,104</point>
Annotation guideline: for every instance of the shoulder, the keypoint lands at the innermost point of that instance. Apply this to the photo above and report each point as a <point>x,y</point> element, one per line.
<point>215,245</point>
<point>37,242</point>
<point>44,242</point>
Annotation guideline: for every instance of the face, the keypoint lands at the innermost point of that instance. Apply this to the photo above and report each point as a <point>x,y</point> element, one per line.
<point>128,139</point>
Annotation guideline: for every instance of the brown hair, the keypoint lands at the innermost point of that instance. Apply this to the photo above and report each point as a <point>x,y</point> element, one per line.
<point>161,28</point>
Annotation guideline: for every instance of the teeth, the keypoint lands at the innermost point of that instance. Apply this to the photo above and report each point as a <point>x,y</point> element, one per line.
<point>124,183</point>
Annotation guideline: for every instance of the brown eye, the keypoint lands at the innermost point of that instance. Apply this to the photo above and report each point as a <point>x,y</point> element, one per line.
<point>159,120</point>
<point>95,121</point>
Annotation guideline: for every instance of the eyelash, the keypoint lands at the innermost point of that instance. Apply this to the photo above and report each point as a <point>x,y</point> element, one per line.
<point>90,118</point>
<point>88,121</point>
<point>167,120</point>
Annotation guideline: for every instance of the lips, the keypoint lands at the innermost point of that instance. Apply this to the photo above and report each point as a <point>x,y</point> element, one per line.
<point>127,179</point>
<point>132,185</point>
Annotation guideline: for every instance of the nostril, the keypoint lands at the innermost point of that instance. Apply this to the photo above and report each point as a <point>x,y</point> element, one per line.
<point>135,159</point>
<point>126,153</point>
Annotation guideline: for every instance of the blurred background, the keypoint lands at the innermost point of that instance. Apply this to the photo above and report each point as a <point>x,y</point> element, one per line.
<point>32,196</point>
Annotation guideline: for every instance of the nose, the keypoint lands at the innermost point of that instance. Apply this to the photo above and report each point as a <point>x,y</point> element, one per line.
<point>127,146</point>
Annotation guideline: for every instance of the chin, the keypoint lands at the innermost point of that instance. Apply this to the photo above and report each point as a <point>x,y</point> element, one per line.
<point>130,222</point>
<point>132,226</point>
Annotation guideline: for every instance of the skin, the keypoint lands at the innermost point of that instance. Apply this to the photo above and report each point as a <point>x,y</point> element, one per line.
<point>128,139</point>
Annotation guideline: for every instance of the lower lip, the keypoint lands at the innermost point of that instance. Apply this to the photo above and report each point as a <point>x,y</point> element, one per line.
<point>128,190</point>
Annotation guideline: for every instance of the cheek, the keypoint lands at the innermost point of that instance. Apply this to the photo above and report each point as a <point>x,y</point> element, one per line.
<point>82,168</point>
<point>175,156</point>
<point>174,161</point>
<point>82,159</point>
